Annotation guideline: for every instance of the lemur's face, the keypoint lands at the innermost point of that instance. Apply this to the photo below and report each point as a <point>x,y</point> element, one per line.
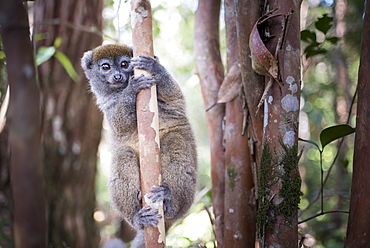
<point>108,67</point>
<point>115,72</point>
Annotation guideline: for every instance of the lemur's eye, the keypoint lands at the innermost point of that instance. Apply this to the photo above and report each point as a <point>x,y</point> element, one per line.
<point>124,64</point>
<point>105,67</point>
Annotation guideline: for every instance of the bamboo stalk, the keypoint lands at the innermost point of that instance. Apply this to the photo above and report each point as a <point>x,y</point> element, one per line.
<point>147,120</point>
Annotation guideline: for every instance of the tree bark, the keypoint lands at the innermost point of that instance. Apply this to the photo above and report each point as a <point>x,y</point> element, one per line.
<point>147,119</point>
<point>239,215</point>
<point>247,13</point>
<point>6,224</point>
<point>27,183</point>
<point>279,180</point>
<point>358,226</point>
<point>211,73</point>
<point>70,119</point>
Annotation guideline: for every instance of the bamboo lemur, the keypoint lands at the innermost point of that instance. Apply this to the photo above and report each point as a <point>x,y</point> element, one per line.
<point>109,69</point>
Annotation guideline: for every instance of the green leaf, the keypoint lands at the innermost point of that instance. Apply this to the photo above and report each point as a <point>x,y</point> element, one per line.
<point>314,49</point>
<point>324,23</point>
<point>316,52</point>
<point>2,55</point>
<point>44,54</point>
<point>312,46</point>
<point>66,63</point>
<point>57,42</point>
<point>308,36</point>
<point>333,40</point>
<point>335,132</point>
<point>311,142</point>
<point>40,36</point>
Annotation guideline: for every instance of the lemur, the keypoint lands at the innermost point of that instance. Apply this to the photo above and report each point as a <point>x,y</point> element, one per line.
<point>109,69</point>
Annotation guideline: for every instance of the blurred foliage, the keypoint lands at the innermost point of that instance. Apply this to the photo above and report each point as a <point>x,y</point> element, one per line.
<point>353,20</point>
<point>322,24</point>
<point>326,102</point>
<point>43,54</point>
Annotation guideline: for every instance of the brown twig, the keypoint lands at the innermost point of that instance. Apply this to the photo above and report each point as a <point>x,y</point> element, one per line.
<point>322,213</point>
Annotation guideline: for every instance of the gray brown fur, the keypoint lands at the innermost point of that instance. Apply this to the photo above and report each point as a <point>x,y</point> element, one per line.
<point>117,100</point>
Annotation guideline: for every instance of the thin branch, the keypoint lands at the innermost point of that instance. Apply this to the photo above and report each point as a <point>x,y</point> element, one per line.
<point>212,223</point>
<point>75,26</point>
<point>322,213</point>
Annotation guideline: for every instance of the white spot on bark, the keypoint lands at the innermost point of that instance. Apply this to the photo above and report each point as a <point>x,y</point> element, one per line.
<point>151,203</point>
<point>142,11</point>
<point>59,135</point>
<point>289,138</point>
<point>138,16</point>
<point>290,103</point>
<point>153,108</point>
<point>236,236</point>
<point>270,99</point>
<point>28,71</point>
<point>290,79</point>
<point>57,128</point>
<point>265,114</point>
<point>288,48</point>
<point>231,210</point>
<point>293,88</point>
<point>266,110</point>
<point>135,18</point>
<point>76,147</point>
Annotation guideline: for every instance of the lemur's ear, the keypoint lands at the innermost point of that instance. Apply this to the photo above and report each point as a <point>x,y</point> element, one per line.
<point>87,61</point>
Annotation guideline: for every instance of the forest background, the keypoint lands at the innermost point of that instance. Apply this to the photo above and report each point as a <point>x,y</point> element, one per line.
<point>328,89</point>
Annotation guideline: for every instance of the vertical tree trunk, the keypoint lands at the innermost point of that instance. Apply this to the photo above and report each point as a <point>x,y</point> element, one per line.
<point>71,121</point>
<point>210,71</point>
<point>239,211</point>
<point>279,180</point>
<point>147,119</point>
<point>358,223</point>
<point>247,13</point>
<point>6,224</point>
<point>27,184</point>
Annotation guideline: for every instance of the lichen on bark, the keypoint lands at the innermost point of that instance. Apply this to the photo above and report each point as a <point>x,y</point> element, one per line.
<point>290,181</point>
<point>279,169</point>
<point>266,180</point>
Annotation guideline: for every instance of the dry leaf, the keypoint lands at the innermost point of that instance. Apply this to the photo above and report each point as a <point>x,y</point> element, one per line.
<point>263,62</point>
<point>230,87</point>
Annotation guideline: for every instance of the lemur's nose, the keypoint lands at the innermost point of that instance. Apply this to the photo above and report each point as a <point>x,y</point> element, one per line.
<point>118,77</point>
